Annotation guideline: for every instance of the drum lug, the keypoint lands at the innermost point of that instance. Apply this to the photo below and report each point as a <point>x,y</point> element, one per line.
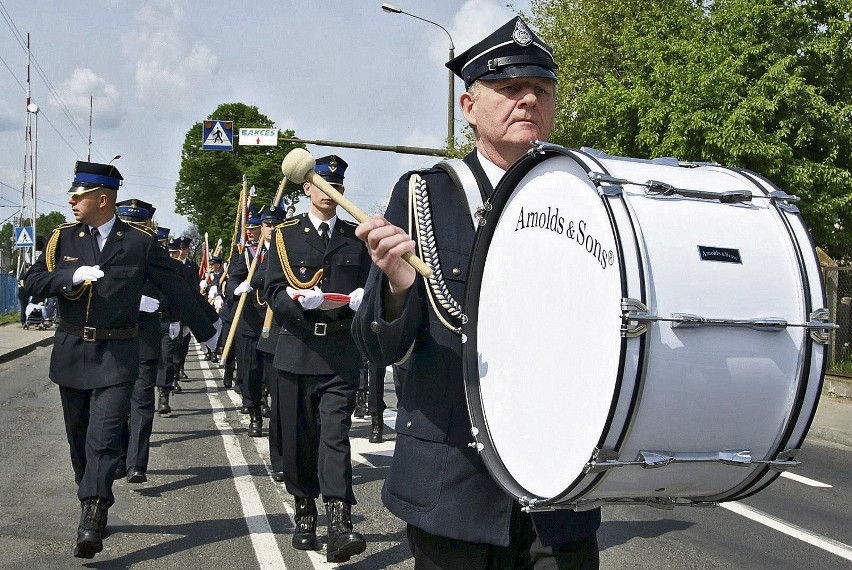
<point>607,185</point>
<point>782,200</point>
<point>820,326</point>
<point>634,317</point>
<point>474,431</point>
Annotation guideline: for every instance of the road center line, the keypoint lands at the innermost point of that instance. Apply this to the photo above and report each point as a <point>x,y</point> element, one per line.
<point>827,544</point>
<point>260,531</point>
<point>805,480</point>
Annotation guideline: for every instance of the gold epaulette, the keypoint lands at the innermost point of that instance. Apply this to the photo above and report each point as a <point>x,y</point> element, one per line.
<point>283,258</point>
<point>141,227</point>
<point>287,223</point>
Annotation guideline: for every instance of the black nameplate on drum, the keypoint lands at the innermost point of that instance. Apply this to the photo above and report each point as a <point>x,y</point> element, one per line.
<point>723,254</point>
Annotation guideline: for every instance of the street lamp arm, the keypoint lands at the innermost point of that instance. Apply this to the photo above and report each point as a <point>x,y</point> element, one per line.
<point>394,10</point>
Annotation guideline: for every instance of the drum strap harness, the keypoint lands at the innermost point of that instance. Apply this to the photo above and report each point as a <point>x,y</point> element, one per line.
<point>447,309</point>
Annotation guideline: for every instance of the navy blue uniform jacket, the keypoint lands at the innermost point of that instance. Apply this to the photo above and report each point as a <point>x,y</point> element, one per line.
<point>130,255</point>
<point>345,264</point>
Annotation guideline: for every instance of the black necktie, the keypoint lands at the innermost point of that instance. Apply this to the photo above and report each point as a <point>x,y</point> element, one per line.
<point>95,246</point>
<point>323,229</point>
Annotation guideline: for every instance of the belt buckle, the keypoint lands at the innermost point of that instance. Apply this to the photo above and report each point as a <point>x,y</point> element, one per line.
<point>89,334</point>
<point>320,329</point>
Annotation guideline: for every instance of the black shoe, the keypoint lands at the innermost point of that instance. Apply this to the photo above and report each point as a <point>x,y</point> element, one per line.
<point>378,428</point>
<point>183,374</point>
<point>163,407</point>
<point>265,411</point>
<point>177,388</point>
<point>343,542</point>
<point>305,535</point>
<point>136,475</point>
<point>255,428</point>
<point>245,410</point>
<point>93,517</point>
<point>360,404</point>
<point>227,382</point>
<point>278,476</point>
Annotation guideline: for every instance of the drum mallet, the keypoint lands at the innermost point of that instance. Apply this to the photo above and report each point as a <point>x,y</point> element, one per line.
<point>298,166</point>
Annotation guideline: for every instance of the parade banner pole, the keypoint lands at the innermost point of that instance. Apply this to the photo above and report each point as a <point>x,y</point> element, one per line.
<point>267,319</point>
<point>237,314</point>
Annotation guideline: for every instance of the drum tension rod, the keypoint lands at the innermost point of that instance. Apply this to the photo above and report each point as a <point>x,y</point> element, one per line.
<point>603,460</point>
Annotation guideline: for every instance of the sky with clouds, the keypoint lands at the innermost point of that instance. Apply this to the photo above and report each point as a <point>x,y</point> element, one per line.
<point>339,70</point>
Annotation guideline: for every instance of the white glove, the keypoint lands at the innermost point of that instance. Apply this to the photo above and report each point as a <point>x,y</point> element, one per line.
<point>148,304</point>
<point>217,303</point>
<point>355,298</point>
<point>210,343</point>
<point>174,329</point>
<point>214,290</point>
<point>202,285</point>
<point>243,287</point>
<point>184,330</point>
<point>308,298</point>
<point>86,273</point>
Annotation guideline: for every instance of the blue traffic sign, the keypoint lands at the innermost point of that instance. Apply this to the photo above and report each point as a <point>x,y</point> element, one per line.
<point>217,135</point>
<point>24,236</point>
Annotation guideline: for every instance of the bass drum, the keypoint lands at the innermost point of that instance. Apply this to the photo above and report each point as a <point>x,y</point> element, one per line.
<point>640,331</point>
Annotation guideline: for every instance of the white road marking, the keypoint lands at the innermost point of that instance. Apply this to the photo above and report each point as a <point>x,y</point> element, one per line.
<point>260,531</point>
<point>827,544</point>
<point>805,480</point>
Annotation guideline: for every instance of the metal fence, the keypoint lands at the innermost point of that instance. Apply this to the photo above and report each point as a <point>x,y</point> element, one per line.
<point>838,294</point>
<point>8,294</point>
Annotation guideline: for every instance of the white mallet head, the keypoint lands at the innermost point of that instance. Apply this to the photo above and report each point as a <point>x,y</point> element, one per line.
<point>297,164</point>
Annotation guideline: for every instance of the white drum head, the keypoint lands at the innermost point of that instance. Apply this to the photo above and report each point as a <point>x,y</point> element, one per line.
<point>545,328</point>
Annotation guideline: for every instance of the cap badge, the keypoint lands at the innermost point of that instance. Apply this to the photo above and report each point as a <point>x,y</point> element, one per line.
<point>522,34</point>
<point>303,271</point>
<point>332,164</point>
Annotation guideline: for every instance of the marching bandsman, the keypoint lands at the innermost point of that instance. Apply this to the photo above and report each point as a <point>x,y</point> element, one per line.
<point>191,271</point>
<point>270,218</point>
<point>168,333</point>
<point>457,515</point>
<point>317,360</point>
<point>97,266</point>
<point>229,306</point>
<point>249,362</point>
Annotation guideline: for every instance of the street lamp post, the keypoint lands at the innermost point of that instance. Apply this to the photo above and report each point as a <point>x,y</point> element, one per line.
<point>451,94</point>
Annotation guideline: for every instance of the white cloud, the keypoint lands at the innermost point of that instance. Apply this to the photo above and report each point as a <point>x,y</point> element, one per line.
<point>473,22</point>
<point>85,91</point>
<point>172,69</point>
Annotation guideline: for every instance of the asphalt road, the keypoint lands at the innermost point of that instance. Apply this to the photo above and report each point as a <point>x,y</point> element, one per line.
<point>210,501</point>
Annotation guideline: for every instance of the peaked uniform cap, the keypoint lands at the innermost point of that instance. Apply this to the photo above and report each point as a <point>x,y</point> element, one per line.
<point>215,259</point>
<point>89,176</point>
<point>332,168</point>
<point>163,233</point>
<point>513,50</point>
<point>273,215</point>
<point>174,244</point>
<point>185,242</point>
<point>253,219</point>
<point>135,210</point>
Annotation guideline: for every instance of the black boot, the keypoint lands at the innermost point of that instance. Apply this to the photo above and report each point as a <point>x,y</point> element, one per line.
<point>255,428</point>
<point>176,369</point>
<point>343,542</point>
<point>360,404</point>
<point>378,428</point>
<point>181,374</point>
<point>93,520</point>
<point>163,407</point>
<point>305,535</point>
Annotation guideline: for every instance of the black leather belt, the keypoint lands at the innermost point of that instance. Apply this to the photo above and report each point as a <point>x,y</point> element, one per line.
<point>92,334</point>
<point>334,327</point>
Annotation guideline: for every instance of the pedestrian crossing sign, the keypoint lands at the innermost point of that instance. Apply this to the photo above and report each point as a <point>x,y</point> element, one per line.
<point>217,135</point>
<point>24,236</point>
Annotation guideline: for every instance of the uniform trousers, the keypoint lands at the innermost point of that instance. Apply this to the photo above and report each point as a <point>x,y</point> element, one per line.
<point>249,369</point>
<point>376,390</point>
<point>276,449</point>
<point>141,422</point>
<point>165,369</point>
<point>316,416</point>
<point>94,420</point>
<point>182,348</point>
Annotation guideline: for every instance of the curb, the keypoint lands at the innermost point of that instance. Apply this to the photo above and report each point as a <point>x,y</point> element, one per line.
<point>831,435</point>
<point>18,352</point>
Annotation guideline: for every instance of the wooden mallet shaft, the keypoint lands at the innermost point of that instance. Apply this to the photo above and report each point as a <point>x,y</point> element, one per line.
<point>298,166</point>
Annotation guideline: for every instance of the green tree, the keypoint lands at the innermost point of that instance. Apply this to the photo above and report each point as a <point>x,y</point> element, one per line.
<point>46,223</point>
<point>760,84</point>
<point>210,181</point>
